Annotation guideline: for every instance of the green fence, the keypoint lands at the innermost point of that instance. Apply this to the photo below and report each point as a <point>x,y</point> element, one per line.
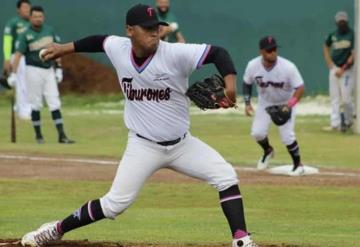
<point>299,26</point>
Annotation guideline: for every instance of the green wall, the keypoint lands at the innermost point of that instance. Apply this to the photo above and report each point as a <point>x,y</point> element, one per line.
<point>299,26</point>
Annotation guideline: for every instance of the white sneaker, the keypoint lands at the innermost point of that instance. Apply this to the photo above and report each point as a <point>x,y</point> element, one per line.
<point>263,163</point>
<point>298,171</point>
<point>244,242</point>
<point>46,233</point>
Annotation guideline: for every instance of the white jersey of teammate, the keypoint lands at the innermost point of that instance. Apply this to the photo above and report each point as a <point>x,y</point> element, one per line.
<point>276,85</point>
<point>162,81</point>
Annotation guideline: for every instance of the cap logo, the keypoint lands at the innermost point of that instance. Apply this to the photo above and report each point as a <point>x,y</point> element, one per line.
<point>150,11</point>
<point>270,39</point>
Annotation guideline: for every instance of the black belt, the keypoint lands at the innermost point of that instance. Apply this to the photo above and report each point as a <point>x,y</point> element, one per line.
<point>165,143</point>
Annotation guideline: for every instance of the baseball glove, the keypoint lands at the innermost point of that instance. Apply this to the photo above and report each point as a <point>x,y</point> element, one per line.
<point>209,93</point>
<point>279,114</point>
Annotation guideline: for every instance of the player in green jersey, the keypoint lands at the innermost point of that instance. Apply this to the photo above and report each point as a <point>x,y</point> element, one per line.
<point>338,54</point>
<point>41,77</point>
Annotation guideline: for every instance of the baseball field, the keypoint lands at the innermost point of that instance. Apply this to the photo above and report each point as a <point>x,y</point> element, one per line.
<point>42,183</point>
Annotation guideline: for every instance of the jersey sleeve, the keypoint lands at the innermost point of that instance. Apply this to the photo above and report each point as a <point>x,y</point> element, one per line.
<point>188,57</point>
<point>248,75</point>
<point>8,28</point>
<point>7,40</point>
<point>21,44</point>
<point>112,44</point>
<point>295,77</point>
<point>328,40</point>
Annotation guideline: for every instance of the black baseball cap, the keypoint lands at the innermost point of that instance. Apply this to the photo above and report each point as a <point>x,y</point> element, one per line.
<point>144,16</point>
<point>267,43</point>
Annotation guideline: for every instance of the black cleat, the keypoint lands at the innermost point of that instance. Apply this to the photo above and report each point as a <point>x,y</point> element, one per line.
<point>65,140</point>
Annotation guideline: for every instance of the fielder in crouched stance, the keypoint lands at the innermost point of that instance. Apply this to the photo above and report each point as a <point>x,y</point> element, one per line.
<point>154,77</point>
<point>278,82</point>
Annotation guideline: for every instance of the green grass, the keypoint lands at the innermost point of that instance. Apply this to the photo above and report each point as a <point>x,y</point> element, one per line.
<point>184,213</point>
<point>189,213</point>
<point>99,133</point>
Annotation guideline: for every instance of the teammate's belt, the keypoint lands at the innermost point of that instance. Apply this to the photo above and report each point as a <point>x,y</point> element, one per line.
<point>165,143</point>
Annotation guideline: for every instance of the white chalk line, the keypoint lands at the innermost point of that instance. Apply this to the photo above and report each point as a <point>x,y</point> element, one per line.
<point>112,163</point>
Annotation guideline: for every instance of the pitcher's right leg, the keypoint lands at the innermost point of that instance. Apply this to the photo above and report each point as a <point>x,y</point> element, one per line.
<point>141,159</point>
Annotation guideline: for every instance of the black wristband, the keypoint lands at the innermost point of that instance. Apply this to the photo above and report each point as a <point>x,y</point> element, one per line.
<point>247,91</point>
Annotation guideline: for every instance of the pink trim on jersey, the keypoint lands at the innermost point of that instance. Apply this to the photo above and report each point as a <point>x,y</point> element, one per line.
<point>141,68</point>
<point>203,56</point>
<point>103,44</point>
<point>230,198</point>
<point>89,210</point>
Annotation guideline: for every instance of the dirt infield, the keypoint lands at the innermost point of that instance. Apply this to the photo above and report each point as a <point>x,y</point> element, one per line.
<point>65,169</point>
<point>60,168</point>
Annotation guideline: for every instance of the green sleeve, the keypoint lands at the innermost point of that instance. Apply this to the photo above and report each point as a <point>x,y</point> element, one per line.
<point>21,44</point>
<point>328,40</point>
<point>8,39</point>
<point>8,28</point>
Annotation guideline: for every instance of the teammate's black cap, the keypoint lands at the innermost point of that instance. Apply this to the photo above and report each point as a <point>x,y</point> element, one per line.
<point>267,43</point>
<point>144,16</point>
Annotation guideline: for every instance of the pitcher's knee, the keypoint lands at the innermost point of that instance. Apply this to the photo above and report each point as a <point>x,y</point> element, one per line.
<point>112,205</point>
<point>225,180</point>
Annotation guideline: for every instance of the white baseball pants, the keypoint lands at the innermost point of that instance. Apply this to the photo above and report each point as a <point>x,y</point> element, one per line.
<point>261,124</point>
<point>22,105</point>
<point>41,83</point>
<point>341,90</point>
<point>142,158</point>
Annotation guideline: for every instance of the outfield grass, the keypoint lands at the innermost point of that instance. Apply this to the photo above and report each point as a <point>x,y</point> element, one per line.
<point>189,213</point>
<point>99,130</point>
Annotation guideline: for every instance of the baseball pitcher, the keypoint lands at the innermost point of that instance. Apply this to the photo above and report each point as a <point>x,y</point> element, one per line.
<point>280,86</point>
<point>154,77</point>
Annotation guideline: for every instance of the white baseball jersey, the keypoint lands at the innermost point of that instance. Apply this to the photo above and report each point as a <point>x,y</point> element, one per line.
<point>156,105</point>
<point>275,85</point>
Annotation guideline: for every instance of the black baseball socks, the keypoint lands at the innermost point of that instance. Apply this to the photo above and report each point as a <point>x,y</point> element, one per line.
<point>233,208</point>
<point>294,151</point>
<point>90,212</point>
<point>58,121</point>
<point>265,145</point>
<point>35,118</point>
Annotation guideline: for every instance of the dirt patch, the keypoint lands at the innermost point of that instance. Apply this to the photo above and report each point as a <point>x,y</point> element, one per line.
<point>83,75</point>
<point>85,243</point>
<point>60,168</point>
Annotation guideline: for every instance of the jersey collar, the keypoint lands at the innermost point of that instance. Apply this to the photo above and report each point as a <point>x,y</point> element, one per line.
<point>143,66</point>
<point>271,68</point>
